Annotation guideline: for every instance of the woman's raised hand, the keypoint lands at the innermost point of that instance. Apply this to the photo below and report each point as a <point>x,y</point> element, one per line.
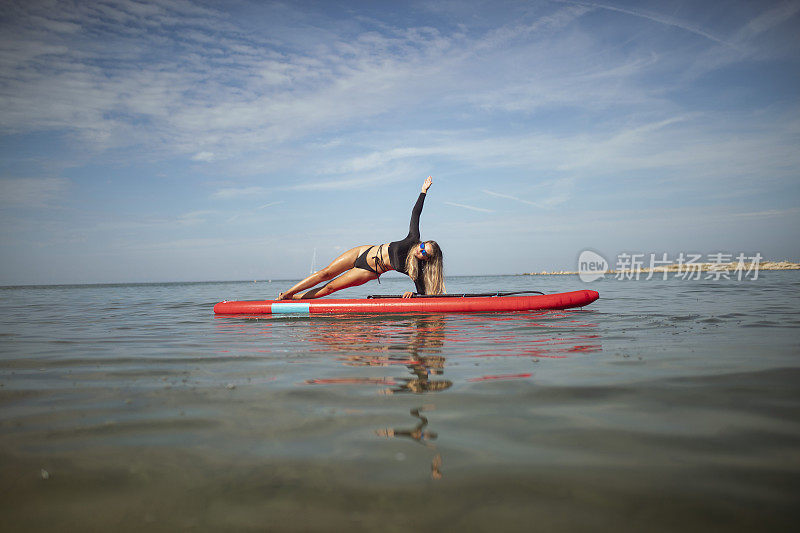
<point>427,184</point>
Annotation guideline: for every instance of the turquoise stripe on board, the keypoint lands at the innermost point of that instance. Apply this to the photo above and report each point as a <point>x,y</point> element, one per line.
<point>290,307</point>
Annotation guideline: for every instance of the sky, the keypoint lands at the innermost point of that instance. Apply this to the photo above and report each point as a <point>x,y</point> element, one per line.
<point>181,140</point>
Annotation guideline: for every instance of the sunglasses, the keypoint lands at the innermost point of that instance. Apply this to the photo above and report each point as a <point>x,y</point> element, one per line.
<point>422,249</point>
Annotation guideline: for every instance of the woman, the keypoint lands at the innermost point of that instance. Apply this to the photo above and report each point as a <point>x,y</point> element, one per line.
<point>421,261</point>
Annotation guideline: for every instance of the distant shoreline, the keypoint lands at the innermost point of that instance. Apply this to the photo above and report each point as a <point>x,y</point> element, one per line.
<point>694,267</point>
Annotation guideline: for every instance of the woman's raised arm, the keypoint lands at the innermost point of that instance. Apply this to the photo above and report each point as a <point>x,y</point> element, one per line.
<point>413,227</point>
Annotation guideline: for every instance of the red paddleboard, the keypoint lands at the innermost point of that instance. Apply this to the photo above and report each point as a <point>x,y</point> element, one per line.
<point>428,304</point>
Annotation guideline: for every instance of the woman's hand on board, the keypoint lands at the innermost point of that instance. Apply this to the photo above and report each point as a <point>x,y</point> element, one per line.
<point>427,184</point>
<point>408,294</point>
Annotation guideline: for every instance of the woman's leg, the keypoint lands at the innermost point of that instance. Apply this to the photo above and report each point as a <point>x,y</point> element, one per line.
<point>351,278</point>
<point>341,264</point>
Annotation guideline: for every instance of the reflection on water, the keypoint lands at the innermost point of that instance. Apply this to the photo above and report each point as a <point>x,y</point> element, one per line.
<point>436,352</point>
<point>414,344</point>
<point>418,342</point>
<point>420,435</point>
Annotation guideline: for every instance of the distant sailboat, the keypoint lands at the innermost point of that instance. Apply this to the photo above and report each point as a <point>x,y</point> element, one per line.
<point>313,261</point>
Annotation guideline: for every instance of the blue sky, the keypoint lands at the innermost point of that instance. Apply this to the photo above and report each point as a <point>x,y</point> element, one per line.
<point>181,140</point>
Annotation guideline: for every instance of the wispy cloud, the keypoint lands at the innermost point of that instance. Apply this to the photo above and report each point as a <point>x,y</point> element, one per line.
<point>767,20</point>
<point>196,217</point>
<point>770,213</point>
<point>203,156</point>
<point>380,176</point>
<point>509,197</point>
<point>230,193</point>
<point>378,159</point>
<point>655,17</point>
<point>32,192</point>
<point>552,193</point>
<point>470,207</point>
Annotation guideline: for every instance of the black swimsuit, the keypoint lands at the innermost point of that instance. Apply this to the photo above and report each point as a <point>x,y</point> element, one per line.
<point>363,264</point>
<point>398,250</point>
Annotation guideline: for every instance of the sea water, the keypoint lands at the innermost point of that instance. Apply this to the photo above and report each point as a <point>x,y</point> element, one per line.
<point>665,405</point>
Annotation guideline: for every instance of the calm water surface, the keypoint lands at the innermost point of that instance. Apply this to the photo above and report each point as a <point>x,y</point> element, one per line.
<point>665,405</point>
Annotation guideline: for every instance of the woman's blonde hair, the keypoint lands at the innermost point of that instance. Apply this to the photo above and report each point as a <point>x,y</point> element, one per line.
<point>431,270</point>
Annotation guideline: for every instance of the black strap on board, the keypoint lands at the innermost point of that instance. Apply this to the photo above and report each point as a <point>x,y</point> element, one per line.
<point>466,295</point>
